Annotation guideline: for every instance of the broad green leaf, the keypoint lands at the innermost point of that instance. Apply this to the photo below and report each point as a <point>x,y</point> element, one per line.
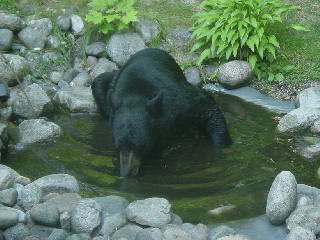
<point>94,17</point>
<point>279,77</point>
<point>270,77</point>
<point>260,32</point>
<point>106,28</point>
<point>261,49</point>
<point>299,27</point>
<point>99,4</point>
<point>244,39</point>
<point>221,47</point>
<point>272,50</point>
<point>287,68</point>
<point>205,54</point>
<point>251,42</point>
<point>198,45</point>
<point>230,35</point>
<point>252,61</point>
<point>273,40</point>
<point>111,18</point>
<point>228,52</point>
<point>235,49</point>
<point>242,31</point>
<point>253,22</point>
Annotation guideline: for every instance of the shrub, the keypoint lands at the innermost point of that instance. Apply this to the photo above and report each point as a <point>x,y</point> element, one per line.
<point>239,29</point>
<point>111,15</point>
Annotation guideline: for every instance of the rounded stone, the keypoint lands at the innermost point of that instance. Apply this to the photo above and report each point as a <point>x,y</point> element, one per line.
<point>309,97</point>
<point>6,37</point>
<point>282,197</point>
<point>77,24</point>
<point>96,49</point>
<point>45,214</point>
<point>147,28</point>
<point>192,75</point>
<point>64,23</point>
<point>8,217</point>
<point>299,233</point>
<point>29,196</point>
<point>6,179</point>
<point>8,197</point>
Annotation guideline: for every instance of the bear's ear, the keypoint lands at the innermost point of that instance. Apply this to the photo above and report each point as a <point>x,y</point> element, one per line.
<point>154,105</point>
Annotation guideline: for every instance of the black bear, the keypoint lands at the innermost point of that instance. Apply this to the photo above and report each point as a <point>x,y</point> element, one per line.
<point>148,100</point>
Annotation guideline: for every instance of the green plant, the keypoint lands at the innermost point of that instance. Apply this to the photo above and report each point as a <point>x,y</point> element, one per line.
<point>111,15</point>
<point>239,29</point>
<point>9,5</point>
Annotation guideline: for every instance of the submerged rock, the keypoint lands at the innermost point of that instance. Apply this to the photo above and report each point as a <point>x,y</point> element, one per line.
<point>220,231</point>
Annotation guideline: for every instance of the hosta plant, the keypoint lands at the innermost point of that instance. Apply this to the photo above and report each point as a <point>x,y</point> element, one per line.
<point>111,15</point>
<point>238,29</point>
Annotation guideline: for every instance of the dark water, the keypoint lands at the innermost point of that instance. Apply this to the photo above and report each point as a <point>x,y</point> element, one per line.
<point>191,173</point>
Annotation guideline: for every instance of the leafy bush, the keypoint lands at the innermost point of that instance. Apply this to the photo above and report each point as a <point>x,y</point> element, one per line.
<point>239,29</point>
<point>111,15</point>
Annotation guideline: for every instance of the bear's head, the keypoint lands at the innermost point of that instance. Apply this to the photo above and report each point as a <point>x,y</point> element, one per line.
<point>135,130</point>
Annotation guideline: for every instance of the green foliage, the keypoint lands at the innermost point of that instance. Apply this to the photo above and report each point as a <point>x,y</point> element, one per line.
<point>239,29</point>
<point>9,5</point>
<point>111,15</point>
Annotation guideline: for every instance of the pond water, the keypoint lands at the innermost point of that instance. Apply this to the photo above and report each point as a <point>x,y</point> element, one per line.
<point>191,174</point>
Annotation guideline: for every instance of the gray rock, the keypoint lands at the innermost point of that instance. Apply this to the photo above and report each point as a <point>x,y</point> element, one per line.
<point>50,88</point>
<point>179,38</point>
<point>5,113</point>
<point>123,45</point>
<point>82,236</point>
<point>307,217</point>
<point>34,36</point>
<point>37,130</point>
<point>8,197</point>
<point>11,21</point>
<point>311,151</point>
<point>97,49</point>
<point>86,216</point>
<point>128,232</point>
<point>57,183</point>
<point>303,201</point>
<point>6,179</point>
<point>192,75</point>
<point>41,232</point>
<point>149,234</point>
<point>35,60</point>
<point>63,85</point>
<point>12,69</point>
<point>234,74</point>
<point>299,233</point>
<point>220,231</point>
<point>299,119</point>
<point>175,233</point>
<point>197,232</point>
<point>4,92</point>
<point>112,223</point>
<point>282,197</point>
<point>65,202</point>
<point>29,196</point>
<point>17,232</point>
<point>53,42</point>
<point>70,74</point>
<point>6,37</point>
<point>22,216</point>
<point>50,56</point>
<point>64,23</point>
<point>13,173</point>
<point>103,65</point>
<point>77,25</point>
<point>147,28</point>
<point>92,61</point>
<point>55,77</point>
<point>45,214</point>
<point>65,221</point>
<point>23,180</point>
<point>233,237</point>
<point>175,219</point>
<point>221,210</point>
<point>309,97</point>
<point>153,212</point>
<point>315,128</point>
<point>77,99</point>
<point>8,217</point>
<point>111,205</point>
<point>18,47</point>
<point>83,79</point>
<point>58,234</point>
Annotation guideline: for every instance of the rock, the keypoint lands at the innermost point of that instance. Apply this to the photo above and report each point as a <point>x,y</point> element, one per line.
<point>307,217</point>
<point>58,234</point>
<point>233,237</point>
<point>147,28</point>
<point>17,232</point>
<point>128,232</point>
<point>112,205</point>
<point>12,172</point>
<point>41,232</point>
<point>18,47</point>
<point>82,236</point>
<point>220,231</point>
<point>300,233</point>
<point>179,38</point>
<point>53,42</point>
<point>221,210</point>
<point>37,130</point>
<point>65,202</point>
<point>5,113</point>
<point>34,36</point>
<point>234,74</point>
<point>77,25</point>
<point>63,85</point>
<point>282,197</point>
<point>197,232</point>
<point>11,22</point>
<point>4,92</point>
<point>29,196</point>
<point>64,23</point>
<point>45,214</point>
<point>315,128</point>
<point>192,75</point>
<point>175,219</point>
<point>83,79</point>
<point>35,60</point>
<point>55,77</point>
<point>8,197</point>
<point>112,223</point>
<point>8,217</point>
<point>299,119</point>
<point>309,97</point>
<point>92,61</point>
<point>153,212</point>
<point>122,46</point>
<point>149,234</point>
<point>77,99</point>
<point>50,56</point>
<point>59,183</point>
<point>176,233</point>
<point>103,65</point>
<point>6,179</point>
<point>6,37</point>
<point>65,221</point>
<point>12,69</point>
<point>311,151</point>
<point>97,49</point>
<point>50,88</point>
<point>303,201</point>
<point>86,216</point>
<point>70,74</point>
<point>23,180</point>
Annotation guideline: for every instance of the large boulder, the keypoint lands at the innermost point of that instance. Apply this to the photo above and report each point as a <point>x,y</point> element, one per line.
<point>6,37</point>
<point>122,46</point>
<point>12,69</point>
<point>147,28</point>
<point>299,233</point>
<point>8,217</point>
<point>103,65</point>
<point>45,214</point>
<point>29,196</point>
<point>234,74</point>
<point>37,130</point>
<point>11,22</point>
<point>282,197</point>
<point>299,119</point>
<point>309,97</point>
<point>16,232</point>
<point>128,232</point>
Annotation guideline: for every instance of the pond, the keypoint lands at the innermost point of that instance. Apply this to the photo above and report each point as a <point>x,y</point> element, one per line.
<point>191,174</point>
